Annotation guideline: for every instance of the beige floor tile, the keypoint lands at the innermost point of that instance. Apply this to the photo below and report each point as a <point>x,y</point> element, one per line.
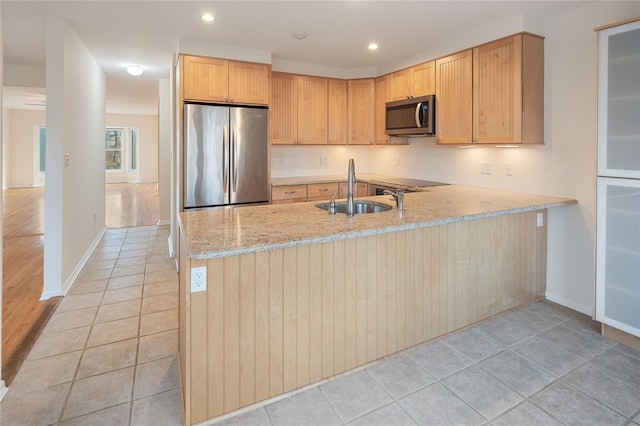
<point>122,294</point>
<point>161,266</point>
<point>153,277</point>
<point>157,346</point>
<point>159,303</point>
<point>156,377</point>
<point>39,407</point>
<point>99,392</point>
<point>68,320</point>
<point>124,271</point>
<point>119,310</point>
<point>80,301</point>
<point>94,274</point>
<point>158,321</point>
<point>45,372</point>
<point>129,261</point>
<point>109,255</point>
<point>112,416</point>
<point>59,343</point>
<point>105,358</point>
<point>162,287</point>
<point>133,252</point>
<point>128,281</point>
<point>135,246</point>
<point>113,331</point>
<point>87,287</point>
<point>100,264</point>
<point>161,409</point>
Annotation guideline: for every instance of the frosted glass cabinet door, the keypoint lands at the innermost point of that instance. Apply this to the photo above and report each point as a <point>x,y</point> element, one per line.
<point>618,254</point>
<point>619,101</point>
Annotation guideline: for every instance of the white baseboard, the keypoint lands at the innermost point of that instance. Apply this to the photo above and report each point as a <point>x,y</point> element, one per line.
<point>587,310</point>
<point>3,389</point>
<point>170,243</point>
<point>76,271</point>
<point>164,222</point>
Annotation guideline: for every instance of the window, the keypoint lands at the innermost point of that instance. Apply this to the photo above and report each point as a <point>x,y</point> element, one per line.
<point>133,137</point>
<point>114,149</point>
<point>42,148</point>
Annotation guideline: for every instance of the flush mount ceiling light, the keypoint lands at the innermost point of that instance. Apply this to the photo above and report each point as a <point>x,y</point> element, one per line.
<point>207,17</point>
<point>373,46</point>
<point>135,70</point>
<point>300,35</point>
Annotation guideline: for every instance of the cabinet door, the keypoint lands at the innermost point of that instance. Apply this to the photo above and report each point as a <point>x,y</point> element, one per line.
<point>288,194</point>
<point>454,81</point>
<point>363,189</point>
<point>618,254</point>
<point>337,124</point>
<point>361,100</point>
<point>423,78</point>
<point>321,191</point>
<point>497,91</point>
<point>381,97</point>
<point>312,110</point>
<point>249,83</point>
<point>282,115</point>
<point>205,79</point>
<point>400,85</point>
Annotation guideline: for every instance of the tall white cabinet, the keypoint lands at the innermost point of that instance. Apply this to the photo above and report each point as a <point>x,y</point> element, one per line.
<point>618,186</point>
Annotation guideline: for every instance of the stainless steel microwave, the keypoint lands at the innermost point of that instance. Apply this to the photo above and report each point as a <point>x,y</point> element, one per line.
<point>411,117</point>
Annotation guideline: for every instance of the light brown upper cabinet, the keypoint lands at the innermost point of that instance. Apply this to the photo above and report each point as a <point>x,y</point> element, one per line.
<point>312,109</point>
<point>493,94</point>
<point>221,80</point>
<point>381,97</point>
<point>361,98</point>
<point>283,123</point>
<point>337,123</point>
<point>454,104</point>
<point>419,80</point>
<point>298,113</point>
<point>508,91</point>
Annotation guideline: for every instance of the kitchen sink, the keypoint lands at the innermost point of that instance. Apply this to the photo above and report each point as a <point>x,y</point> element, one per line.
<point>361,206</point>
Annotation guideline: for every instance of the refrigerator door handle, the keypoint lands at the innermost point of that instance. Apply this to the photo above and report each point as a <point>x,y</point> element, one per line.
<point>225,159</point>
<point>235,158</point>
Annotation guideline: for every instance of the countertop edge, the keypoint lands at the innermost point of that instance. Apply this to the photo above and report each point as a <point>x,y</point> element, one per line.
<point>214,254</point>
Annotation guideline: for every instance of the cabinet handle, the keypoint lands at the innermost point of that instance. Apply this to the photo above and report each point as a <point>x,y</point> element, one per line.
<point>289,192</point>
<point>323,190</point>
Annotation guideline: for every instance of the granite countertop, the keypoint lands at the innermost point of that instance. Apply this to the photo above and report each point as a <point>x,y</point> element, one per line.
<point>227,231</point>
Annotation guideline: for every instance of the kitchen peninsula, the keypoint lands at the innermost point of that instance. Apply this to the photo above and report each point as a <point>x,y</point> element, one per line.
<point>294,295</point>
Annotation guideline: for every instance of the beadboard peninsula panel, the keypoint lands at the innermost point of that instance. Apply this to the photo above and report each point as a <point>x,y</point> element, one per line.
<point>277,320</point>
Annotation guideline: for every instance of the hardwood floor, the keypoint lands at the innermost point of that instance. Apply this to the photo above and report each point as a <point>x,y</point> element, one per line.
<point>23,314</point>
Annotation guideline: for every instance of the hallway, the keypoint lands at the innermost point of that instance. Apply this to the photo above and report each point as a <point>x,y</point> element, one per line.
<point>23,314</point>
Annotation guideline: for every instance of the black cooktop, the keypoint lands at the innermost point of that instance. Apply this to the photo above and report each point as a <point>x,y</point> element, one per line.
<point>413,182</point>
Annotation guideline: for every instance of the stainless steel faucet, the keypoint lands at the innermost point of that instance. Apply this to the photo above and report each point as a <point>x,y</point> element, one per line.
<point>351,181</point>
<point>398,195</point>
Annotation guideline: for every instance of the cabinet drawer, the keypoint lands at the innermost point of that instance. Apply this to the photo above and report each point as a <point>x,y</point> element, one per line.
<point>292,193</point>
<point>321,191</point>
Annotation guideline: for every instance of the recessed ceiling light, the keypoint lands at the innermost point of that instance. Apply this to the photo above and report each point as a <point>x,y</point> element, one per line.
<point>300,35</point>
<point>207,17</point>
<point>135,70</point>
<point>373,46</point>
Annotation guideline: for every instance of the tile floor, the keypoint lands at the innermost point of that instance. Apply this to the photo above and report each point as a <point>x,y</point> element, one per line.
<point>108,357</point>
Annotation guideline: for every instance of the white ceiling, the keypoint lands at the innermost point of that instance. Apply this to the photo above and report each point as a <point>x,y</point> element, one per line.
<point>150,32</point>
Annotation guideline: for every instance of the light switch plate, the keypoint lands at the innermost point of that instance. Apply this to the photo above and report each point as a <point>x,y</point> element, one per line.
<point>198,279</point>
<point>540,219</point>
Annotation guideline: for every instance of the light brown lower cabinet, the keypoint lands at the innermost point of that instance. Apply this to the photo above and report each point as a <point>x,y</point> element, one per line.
<point>288,194</point>
<point>277,320</point>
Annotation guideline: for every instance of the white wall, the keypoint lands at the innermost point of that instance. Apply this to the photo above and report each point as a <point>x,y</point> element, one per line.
<point>5,147</point>
<point>564,166</point>
<point>317,160</point>
<point>147,126</point>
<point>75,192</point>
<point>21,166</point>
<point>164,165</point>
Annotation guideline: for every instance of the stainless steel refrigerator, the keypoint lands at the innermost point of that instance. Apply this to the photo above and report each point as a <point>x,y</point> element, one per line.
<point>226,156</point>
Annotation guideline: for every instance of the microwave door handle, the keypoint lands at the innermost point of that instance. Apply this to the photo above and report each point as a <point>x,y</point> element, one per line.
<point>418,114</point>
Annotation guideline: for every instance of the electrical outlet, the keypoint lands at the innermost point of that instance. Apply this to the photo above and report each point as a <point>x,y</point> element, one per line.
<point>540,220</point>
<point>198,279</point>
<point>397,162</point>
<point>508,169</point>
<point>485,168</point>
